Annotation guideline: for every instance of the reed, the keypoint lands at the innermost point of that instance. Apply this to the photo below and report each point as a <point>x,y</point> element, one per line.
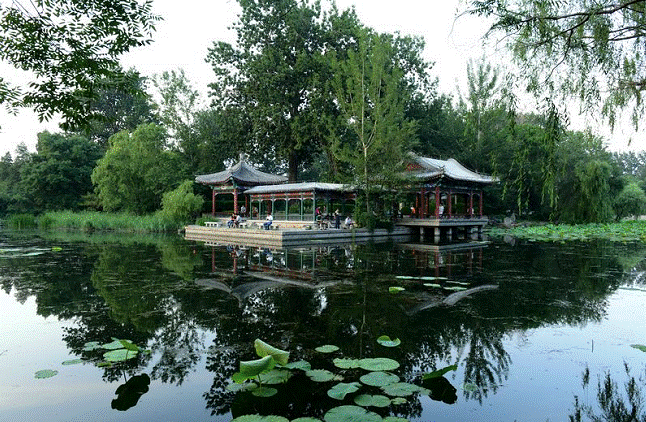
<point>94,220</point>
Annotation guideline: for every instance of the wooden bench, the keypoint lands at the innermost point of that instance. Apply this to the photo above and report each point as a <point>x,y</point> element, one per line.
<point>212,223</point>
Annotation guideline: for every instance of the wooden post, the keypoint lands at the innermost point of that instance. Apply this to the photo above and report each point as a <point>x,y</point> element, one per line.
<point>213,201</point>
<point>450,200</point>
<point>423,206</point>
<point>470,204</point>
<point>437,202</point>
<point>235,200</point>
<point>480,204</point>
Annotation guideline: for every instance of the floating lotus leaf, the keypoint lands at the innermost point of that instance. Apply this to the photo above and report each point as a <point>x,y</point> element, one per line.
<point>399,400</point>
<point>320,375</point>
<point>276,376</point>
<point>395,289</point>
<point>306,420</point>
<point>45,373</point>
<point>433,278</point>
<point>91,345</point>
<point>346,363</point>
<point>73,362</point>
<point>114,345</point>
<point>234,387</point>
<point>401,389</point>
<point>387,342</point>
<point>366,400</point>
<point>405,277</point>
<point>252,368</point>
<point>56,249</point>
<point>259,418</point>
<point>639,347</point>
<point>327,348</point>
<point>129,345</point>
<point>263,349</point>
<point>351,414</point>
<point>455,288</point>
<point>104,364</point>
<point>119,355</point>
<point>264,392</point>
<point>469,386</point>
<point>437,286</point>
<point>301,364</point>
<point>439,372</point>
<point>394,419</point>
<point>379,379</point>
<point>378,364</point>
<point>340,390</point>
<point>461,283</point>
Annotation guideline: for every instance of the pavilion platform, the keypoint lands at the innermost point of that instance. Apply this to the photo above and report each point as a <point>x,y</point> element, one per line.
<point>445,228</point>
<point>289,233</point>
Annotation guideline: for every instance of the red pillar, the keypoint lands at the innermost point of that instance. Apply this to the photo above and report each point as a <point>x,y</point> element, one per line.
<point>235,200</point>
<point>437,202</point>
<point>213,202</point>
<point>423,209</point>
<point>470,204</point>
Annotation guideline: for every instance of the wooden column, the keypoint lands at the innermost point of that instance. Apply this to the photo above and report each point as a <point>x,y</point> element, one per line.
<point>212,201</point>
<point>480,211</point>
<point>235,200</point>
<point>424,204</point>
<point>437,202</point>
<point>450,200</point>
<point>470,204</point>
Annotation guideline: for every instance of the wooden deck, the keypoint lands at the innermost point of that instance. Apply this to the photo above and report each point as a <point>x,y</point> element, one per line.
<point>450,228</point>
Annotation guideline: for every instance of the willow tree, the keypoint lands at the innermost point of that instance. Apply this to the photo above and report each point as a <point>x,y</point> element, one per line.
<point>371,92</point>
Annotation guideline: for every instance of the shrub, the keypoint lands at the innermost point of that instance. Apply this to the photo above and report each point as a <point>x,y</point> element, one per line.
<point>22,221</point>
<point>631,201</point>
<point>181,204</point>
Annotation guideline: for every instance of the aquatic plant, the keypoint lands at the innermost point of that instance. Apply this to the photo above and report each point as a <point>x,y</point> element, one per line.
<point>620,232</point>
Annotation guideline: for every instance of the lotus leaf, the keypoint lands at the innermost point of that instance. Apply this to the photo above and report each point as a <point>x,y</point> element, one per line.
<point>247,386</point>
<point>405,277</point>
<point>320,375</point>
<point>263,349</point>
<point>346,363</point>
<point>351,413</point>
<point>378,364</point>
<point>340,390</point>
<point>395,289</point>
<point>366,400</point>
<point>119,355</point>
<point>259,418</point>
<point>306,420</point>
<point>45,373</point>
<point>114,345</point>
<point>400,389</point>
<point>73,362</point>
<point>327,348</point>
<point>399,400</point>
<point>129,345</point>
<point>394,419</point>
<point>91,345</point>
<point>56,249</point>
<point>276,376</point>
<point>104,364</point>
<point>433,278</point>
<point>301,364</point>
<point>379,379</point>
<point>264,392</point>
<point>639,347</point>
<point>437,286</point>
<point>252,368</point>
<point>455,288</point>
<point>387,342</point>
<point>439,372</point>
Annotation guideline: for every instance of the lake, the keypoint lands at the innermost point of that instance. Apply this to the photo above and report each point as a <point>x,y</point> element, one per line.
<point>486,331</point>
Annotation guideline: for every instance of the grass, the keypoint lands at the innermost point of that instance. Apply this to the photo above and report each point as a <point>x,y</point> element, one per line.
<point>621,232</point>
<point>93,220</point>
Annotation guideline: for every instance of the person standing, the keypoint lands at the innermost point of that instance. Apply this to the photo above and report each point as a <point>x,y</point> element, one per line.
<point>337,219</point>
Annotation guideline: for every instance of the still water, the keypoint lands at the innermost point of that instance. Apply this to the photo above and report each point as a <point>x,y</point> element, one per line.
<point>532,328</point>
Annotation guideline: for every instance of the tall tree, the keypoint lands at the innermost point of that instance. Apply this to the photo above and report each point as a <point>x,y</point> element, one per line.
<point>72,47</point>
<point>593,50</point>
<point>275,75</point>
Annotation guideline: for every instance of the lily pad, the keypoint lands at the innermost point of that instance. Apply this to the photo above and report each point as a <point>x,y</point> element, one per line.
<point>260,418</point>
<point>342,389</point>
<point>351,413</point>
<point>264,392</point>
<point>45,373</point>
<point>439,372</point>
<point>394,419</point>
<point>104,364</point>
<point>398,400</point>
<point>378,364</point>
<point>639,347</point>
<point>387,342</point>
<point>320,375</point>
<point>306,420</point>
<point>73,362</point>
<point>119,355</point>
<point>276,376</point>
<point>263,349</point>
<point>300,364</point>
<point>114,345</point>
<point>379,378</point>
<point>234,387</point>
<point>127,344</point>
<point>346,363</point>
<point>252,368</point>
<point>401,389</point>
<point>327,348</point>
<point>395,289</point>
<point>455,288</point>
<point>437,286</point>
<point>56,249</point>
<point>367,400</point>
<point>91,345</point>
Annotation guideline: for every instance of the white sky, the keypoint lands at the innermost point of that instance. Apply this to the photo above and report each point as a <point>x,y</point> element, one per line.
<point>191,26</point>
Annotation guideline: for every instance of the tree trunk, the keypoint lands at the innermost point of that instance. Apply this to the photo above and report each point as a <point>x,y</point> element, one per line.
<point>293,162</point>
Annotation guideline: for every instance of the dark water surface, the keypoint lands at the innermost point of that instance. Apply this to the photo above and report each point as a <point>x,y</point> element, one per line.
<point>523,323</point>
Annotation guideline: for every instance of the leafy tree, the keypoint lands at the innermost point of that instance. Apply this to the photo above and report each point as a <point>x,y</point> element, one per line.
<point>136,170</point>
<point>181,204</point>
<point>58,175</point>
<point>72,48</point>
<point>275,76</point>
<point>593,50</point>
<point>631,201</point>
<point>368,87</point>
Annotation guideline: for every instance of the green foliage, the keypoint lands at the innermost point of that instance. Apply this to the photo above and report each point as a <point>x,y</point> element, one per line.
<point>631,202</point>
<point>122,222</point>
<point>620,232</point>
<point>22,221</point>
<point>136,170</point>
<point>181,205</point>
<point>72,50</point>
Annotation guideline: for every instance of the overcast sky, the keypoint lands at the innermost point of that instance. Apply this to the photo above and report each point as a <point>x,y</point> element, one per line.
<point>191,26</point>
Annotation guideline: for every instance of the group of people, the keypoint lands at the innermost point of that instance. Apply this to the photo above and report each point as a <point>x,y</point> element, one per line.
<point>235,220</point>
<point>335,217</point>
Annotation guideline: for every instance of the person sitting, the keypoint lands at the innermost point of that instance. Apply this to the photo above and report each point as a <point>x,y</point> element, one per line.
<point>348,223</point>
<point>238,220</point>
<point>267,223</point>
<point>231,221</point>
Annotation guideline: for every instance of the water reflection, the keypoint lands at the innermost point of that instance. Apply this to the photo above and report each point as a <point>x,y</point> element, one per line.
<point>199,308</point>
